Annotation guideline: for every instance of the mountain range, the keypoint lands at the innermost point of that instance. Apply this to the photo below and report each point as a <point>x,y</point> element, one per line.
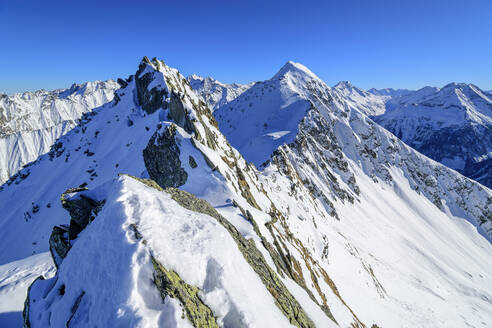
<point>186,202</point>
<point>31,122</point>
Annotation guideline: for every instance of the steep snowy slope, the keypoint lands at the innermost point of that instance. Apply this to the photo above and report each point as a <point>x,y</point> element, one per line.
<point>345,225</point>
<point>30,122</point>
<point>452,125</point>
<point>215,93</point>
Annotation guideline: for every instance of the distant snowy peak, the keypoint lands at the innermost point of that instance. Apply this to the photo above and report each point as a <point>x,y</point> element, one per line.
<point>31,122</point>
<point>389,92</point>
<point>453,104</point>
<point>40,109</point>
<point>271,110</point>
<point>215,93</point>
<point>347,85</point>
<point>364,101</point>
<point>452,125</point>
<point>295,70</point>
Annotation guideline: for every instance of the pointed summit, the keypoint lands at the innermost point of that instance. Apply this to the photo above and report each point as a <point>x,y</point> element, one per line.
<point>296,69</point>
<point>347,86</point>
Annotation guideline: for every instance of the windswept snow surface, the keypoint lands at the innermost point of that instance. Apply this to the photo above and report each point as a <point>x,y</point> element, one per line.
<point>30,122</point>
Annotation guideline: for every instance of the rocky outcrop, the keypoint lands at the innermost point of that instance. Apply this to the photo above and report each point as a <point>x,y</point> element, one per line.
<point>81,208</point>
<point>178,113</point>
<point>153,99</point>
<point>161,158</point>
<point>59,244</point>
<point>169,283</point>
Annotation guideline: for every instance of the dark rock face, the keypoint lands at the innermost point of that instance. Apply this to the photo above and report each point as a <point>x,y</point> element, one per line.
<point>59,244</point>
<point>178,113</point>
<point>82,210</point>
<point>192,162</point>
<point>122,83</point>
<point>149,100</point>
<point>161,158</point>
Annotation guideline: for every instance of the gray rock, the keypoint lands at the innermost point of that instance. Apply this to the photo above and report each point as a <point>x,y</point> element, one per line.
<point>149,100</point>
<point>161,158</point>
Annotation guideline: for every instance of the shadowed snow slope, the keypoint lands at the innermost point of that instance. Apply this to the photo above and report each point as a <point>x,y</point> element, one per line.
<point>452,125</point>
<point>343,225</point>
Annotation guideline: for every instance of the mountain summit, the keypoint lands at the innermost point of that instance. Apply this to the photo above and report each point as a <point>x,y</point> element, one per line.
<point>294,69</point>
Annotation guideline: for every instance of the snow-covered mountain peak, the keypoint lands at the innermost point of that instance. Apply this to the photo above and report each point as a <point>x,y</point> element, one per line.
<point>272,109</point>
<point>347,89</point>
<point>195,77</point>
<point>295,70</point>
<point>344,85</point>
<point>364,101</point>
<point>457,85</point>
<point>30,122</point>
<point>389,92</point>
<point>215,93</point>
<point>452,125</point>
<point>458,102</point>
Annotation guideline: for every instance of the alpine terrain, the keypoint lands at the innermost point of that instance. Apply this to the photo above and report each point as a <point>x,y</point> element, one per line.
<point>30,122</point>
<point>215,93</point>
<point>452,125</point>
<point>279,203</point>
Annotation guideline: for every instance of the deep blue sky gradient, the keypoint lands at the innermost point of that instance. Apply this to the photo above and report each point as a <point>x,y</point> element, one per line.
<point>400,44</point>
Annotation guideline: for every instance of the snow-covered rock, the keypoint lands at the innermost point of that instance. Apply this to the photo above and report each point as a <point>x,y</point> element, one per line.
<point>30,122</point>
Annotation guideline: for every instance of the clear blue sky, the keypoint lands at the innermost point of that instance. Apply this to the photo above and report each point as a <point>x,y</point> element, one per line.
<point>401,44</point>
